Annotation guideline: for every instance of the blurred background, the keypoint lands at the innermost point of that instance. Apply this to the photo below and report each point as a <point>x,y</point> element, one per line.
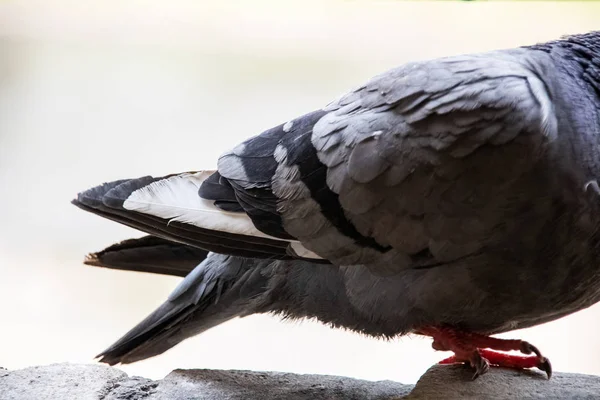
<point>92,91</point>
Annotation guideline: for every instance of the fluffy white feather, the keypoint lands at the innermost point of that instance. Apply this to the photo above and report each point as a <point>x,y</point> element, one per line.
<point>176,199</point>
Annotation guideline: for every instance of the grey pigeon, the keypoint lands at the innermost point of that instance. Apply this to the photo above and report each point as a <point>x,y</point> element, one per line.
<point>454,198</point>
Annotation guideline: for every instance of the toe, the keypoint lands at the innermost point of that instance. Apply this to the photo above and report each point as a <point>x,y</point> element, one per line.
<point>528,348</point>
<point>545,366</point>
<point>481,365</point>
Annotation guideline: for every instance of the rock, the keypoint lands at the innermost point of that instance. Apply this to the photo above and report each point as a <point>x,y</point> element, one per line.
<point>454,382</point>
<point>99,382</point>
<point>216,385</point>
<point>66,381</point>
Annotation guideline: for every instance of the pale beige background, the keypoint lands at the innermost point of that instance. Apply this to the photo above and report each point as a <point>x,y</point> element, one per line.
<point>95,91</point>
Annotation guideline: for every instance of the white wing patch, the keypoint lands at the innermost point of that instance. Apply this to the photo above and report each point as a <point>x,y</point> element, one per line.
<point>176,199</point>
<point>302,251</point>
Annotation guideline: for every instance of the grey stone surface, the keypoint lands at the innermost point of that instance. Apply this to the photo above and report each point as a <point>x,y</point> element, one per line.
<point>98,382</point>
<point>454,382</point>
<point>61,381</point>
<point>217,385</point>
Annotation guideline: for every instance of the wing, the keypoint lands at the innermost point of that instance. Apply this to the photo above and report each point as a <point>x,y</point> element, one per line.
<point>415,168</point>
<point>170,208</point>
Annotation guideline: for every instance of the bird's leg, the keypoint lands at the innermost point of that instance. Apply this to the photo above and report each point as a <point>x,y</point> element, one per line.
<point>472,348</point>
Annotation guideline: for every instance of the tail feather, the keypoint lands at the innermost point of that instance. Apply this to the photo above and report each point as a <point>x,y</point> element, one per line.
<point>207,297</point>
<point>108,200</point>
<point>149,254</point>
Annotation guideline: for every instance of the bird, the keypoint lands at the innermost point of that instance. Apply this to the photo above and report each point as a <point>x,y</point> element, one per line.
<point>454,198</point>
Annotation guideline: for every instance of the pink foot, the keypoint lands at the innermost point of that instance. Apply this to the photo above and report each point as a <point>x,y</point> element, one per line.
<point>472,348</point>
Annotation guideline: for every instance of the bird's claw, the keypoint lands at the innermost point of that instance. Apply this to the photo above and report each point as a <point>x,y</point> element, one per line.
<point>544,363</point>
<point>480,364</point>
<point>545,366</point>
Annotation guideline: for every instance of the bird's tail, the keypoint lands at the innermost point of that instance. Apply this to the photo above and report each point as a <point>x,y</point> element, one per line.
<point>218,289</point>
<point>149,254</point>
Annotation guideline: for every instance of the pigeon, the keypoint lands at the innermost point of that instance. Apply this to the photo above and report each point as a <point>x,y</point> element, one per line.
<point>454,198</point>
